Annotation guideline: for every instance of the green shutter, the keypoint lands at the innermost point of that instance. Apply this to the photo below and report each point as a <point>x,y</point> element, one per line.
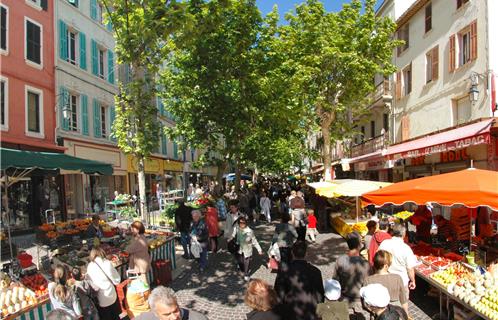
<point>82,50</point>
<point>160,106</point>
<point>63,103</point>
<point>175,150</point>
<point>93,9</point>
<point>109,26</point>
<point>192,154</point>
<point>95,60</point>
<point>62,40</point>
<point>84,115</point>
<point>112,116</point>
<point>164,144</point>
<point>110,66</point>
<point>97,130</point>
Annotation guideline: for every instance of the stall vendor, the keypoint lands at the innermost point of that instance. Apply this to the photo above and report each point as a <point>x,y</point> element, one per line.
<point>422,219</point>
<point>446,232</point>
<point>94,230</point>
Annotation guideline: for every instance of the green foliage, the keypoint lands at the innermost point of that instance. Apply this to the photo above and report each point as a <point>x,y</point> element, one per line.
<point>128,212</point>
<point>168,214</point>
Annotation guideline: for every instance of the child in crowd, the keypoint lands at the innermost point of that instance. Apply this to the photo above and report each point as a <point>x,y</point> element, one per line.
<point>332,308</point>
<point>311,231</point>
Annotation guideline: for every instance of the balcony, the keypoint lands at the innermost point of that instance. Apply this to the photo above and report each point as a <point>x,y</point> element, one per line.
<point>371,145</point>
<point>381,94</point>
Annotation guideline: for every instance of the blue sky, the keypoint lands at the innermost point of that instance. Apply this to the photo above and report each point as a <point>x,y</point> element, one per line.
<point>285,6</point>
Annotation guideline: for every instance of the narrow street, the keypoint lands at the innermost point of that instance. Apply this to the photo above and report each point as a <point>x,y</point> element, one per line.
<point>219,292</point>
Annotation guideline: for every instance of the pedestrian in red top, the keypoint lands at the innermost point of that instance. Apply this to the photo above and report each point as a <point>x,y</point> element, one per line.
<point>380,235</point>
<point>311,231</point>
<point>212,226</point>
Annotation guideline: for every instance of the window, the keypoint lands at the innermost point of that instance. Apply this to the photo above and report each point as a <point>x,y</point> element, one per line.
<point>461,3</point>
<point>462,110</point>
<point>34,112</point>
<point>362,137</point>
<point>432,64</point>
<point>4,29</point>
<point>73,112</point>
<point>33,49</point>
<point>464,47</point>
<point>407,80</point>
<point>404,34</point>
<point>103,124</point>
<point>34,3</point>
<point>101,63</point>
<point>74,2</point>
<point>100,13</point>
<point>385,122</point>
<point>372,129</point>
<point>428,17</point>
<point>71,47</point>
<point>4,103</point>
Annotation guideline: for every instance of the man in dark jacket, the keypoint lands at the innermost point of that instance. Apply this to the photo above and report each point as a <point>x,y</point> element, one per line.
<point>183,218</point>
<point>300,288</point>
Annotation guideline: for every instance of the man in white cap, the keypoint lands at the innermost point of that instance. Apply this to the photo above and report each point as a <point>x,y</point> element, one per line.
<point>376,300</point>
<point>332,309</point>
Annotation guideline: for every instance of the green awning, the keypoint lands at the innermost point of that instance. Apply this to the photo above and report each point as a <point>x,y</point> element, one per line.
<point>21,159</point>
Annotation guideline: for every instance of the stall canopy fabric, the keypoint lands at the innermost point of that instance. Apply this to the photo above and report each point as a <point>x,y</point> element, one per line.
<point>470,187</point>
<point>346,187</point>
<point>21,159</point>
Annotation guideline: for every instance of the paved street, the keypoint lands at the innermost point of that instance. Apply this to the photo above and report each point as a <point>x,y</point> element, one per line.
<point>219,292</point>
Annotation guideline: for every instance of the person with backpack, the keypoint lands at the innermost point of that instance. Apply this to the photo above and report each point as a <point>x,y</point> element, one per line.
<point>103,277</point>
<point>62,296</point>
<point>86,295</point>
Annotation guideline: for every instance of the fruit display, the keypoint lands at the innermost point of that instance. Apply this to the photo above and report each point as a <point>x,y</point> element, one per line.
<point>438,263</point>
<point>455,273</point>
<point>15,298</point>
<point>340,226</point>
<point>159,241</point>
<point>425,269</point>
<point>37,283</point>
<point>480,292</point>
<point>360,227</point>
<point>403,215</point>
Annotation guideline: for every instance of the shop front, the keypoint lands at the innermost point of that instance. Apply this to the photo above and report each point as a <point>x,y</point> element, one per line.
<point>193,175</point>
<point>87,194</point>
<point>154,178</point>
<point>173,174</point>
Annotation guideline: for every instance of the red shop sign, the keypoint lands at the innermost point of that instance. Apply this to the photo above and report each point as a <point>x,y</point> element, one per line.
<point>449,146</point>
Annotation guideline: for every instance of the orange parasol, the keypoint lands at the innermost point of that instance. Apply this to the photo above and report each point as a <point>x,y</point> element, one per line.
<point>470,187</point>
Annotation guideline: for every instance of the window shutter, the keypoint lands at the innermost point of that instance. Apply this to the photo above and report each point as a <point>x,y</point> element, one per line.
<point>473,40</point>
<point>452,58</point>
<point>112,117</point>
<point>435,63</point>
<point>164,144</point>
<point>405,128</point>
<point>97,132</point>
<point>93,9</point>
<point>95,61</point>
<point>62,40</point>
<point>160,106</point>
<point>398,85</point>
<point>84,114</point>
<point>82,50</point>
<point>110,66</point>
<point>175,150</point>
<point>63,103</point>
<point>109,26</point>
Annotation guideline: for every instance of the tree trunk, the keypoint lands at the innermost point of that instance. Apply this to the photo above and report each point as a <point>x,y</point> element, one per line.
<point>222,165</point>
<point>327,161</point>
<point>141,189</point>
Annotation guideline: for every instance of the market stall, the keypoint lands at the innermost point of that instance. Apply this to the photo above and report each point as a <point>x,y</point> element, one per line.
<point>459,260</point>
<point>67,248</point>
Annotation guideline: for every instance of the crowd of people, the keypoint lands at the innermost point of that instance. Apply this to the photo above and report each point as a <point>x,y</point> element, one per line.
<point>374,285</point>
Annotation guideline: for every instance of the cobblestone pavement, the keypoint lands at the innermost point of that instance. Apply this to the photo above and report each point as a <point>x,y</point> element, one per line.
<point>219,291</point>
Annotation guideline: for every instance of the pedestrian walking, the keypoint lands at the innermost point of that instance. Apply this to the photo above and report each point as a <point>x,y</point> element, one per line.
<point>103,277</point>
<point>378,237</point>
<point>298,215</point>
<point>351,270</point>
<point>246,239</point>
<point>183,219</point>
<point>376,300</point>
<point>284,236</point>
<point>62,296</point>
<point>311,231</point>
<point>199,235</point>
<point>221,207</point>
<point>262,299</point>
<point>300,288</point>
<point>265,204</point>
<point>213,228</point>
<point>139,259</point>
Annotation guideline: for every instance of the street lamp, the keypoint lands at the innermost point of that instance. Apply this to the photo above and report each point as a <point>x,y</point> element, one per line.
<point>473,91</point>
<point>66,111</point>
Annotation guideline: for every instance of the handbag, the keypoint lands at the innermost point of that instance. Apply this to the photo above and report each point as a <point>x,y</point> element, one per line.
<point>233,247</point>
<point>273,264</point>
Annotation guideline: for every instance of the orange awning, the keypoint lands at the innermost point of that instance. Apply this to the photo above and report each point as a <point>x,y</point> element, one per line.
<point>470,187</point>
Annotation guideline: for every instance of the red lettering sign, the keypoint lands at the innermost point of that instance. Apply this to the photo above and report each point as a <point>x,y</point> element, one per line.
<point>457,155</point>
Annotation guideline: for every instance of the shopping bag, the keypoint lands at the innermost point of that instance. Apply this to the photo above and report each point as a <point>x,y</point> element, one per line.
<point>196,249</point>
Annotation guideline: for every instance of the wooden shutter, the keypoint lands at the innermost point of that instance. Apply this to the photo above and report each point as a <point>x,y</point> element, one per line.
<point>398,85</point>
<point>435,63</point>
<point>95,60</point>
<point>93,9</point>
<point>110,66</point>
<point>63,103</point>
<point>97,129</point>
<point>112,117</point>
<point>405,128</point>
<point>452,57</point>
<point>82,50</point>
<point>84,114</point>
<point>62,40</point>
<point>473,40</point>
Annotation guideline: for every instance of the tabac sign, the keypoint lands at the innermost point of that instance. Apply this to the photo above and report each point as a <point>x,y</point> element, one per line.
<point>448,146</point>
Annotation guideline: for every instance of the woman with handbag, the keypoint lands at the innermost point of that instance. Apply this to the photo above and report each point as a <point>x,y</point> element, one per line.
<point>103,277</point>
<point>139,251</point>
<point>246,240</point>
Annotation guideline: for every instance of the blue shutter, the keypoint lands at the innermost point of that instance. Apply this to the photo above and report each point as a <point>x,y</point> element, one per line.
<point>63,103</point>
<point>175,150</point>
<point>109,26</point>
<point>110,66</point>
<point>84,114</point>
<point>97,130</point>
<point>82,50</point>
<point>112,116</point>
<point>62,40</point>
<point>93,9</point>
<point>164,144</point>
<point>160,106</point>
<point>95,60</point>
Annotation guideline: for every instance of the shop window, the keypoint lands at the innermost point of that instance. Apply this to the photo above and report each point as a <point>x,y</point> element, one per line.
<point>34,111</point>
<point>462,110</point>
<point>4,28</point>
<point>33,40</point>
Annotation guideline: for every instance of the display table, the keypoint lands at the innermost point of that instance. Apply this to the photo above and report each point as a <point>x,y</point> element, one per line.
<point>35,312</point>
<point>344,227</point>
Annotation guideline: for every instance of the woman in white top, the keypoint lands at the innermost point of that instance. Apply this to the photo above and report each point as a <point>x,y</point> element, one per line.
<point>103,277</point>
<point>265,204</point>
<point>63,296</point>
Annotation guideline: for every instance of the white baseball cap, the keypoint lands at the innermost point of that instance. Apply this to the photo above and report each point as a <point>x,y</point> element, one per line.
<point>375,295</point>
<point>332,289</point>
